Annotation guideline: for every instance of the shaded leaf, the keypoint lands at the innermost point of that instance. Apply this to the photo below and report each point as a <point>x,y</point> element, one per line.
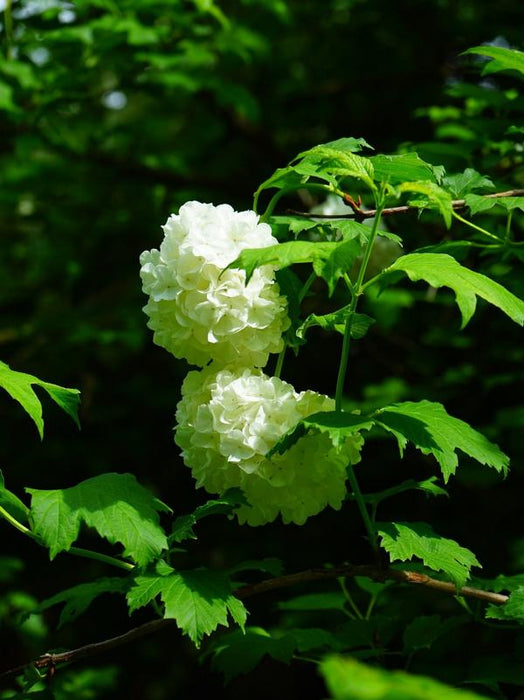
<point>19,386</point>
<point>512,610</point>
<point>183,525</point>
<point>270,565</point>
<point>461,184</point>
<point>432,195</point>
<point>403,541</point>
<point>423,631</point>
<point>336,321</point>
<point>330,600</point>
<point>429,427</point>
<point>116,505</point>
<point>197,600</point>
<point>12,504</point>
<point>441,270</point>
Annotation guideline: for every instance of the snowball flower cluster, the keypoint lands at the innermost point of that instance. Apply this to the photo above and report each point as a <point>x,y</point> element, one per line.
<point>228,420</point>
<point>197,310</point>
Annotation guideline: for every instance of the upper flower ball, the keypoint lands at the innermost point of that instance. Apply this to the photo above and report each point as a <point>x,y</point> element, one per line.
<point>201,312</point>
<point>229,420</point>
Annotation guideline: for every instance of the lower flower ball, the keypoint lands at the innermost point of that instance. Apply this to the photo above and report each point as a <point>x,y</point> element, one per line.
<point>228,420</point>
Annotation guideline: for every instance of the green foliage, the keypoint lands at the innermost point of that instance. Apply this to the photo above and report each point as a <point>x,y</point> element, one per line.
<point>198,600</point>
<point>183,525</point>
<point>403,541</point>
<point>115,505</point>
<point>444,271</point>
<point>504,59</point>
<point>19,386</point>
<point>348,679</point>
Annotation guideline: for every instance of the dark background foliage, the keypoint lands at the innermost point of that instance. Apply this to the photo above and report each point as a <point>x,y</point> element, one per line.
<point>112,116</point>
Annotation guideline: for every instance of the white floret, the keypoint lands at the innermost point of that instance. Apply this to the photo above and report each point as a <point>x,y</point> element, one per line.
<point>228,420</point>
<point>198,310</point>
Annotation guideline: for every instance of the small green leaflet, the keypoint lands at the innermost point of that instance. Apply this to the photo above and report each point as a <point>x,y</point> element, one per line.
<point>432,195</point>
<point>11,503</point>
<point>116,505</point>
<point>349,679</point>
<point>197,600</point>
<point>432,430</point>
<point>78,598</point>
<point>20,387</point>
<point>330,260</point>
<point>504,59</point>
<point>336,321</point>
<point>405,167</point>
<point>441,270</point>
<point>183,525</point>
<point>512,610</point>
<point>464,183</point>
<point>403,541</point>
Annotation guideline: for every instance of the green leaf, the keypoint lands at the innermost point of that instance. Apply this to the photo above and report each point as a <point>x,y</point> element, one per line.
<point>183,525</point>
<point>335,160</point>
<point>403,541</point>
<point>427,485</point>
<point>504,59</point>
<point>337,424</point>
<point>513,609</point>
<point>78,598</point>
<point>236,653</point>
<point>336,321</point>
<point>405,167</point>
<point>197,600</point>
<point>116,505</point>
<point>477,203</point>
<point>349,679</point>
<point>441,270</point>
<point>12,504</point>
<point>432,195</point>
<point>330,260</point>
<point>432,430</point>
<point>463,183</point>
<point>19,386</point>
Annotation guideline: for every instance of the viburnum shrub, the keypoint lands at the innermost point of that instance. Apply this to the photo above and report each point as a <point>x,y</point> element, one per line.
<point>225,291</point>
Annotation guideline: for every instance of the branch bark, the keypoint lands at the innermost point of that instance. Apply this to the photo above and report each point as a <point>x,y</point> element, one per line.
<point>361,214</point>
<point>50,661</point>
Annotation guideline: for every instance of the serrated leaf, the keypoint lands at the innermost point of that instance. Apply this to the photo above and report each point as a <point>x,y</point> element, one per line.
<point>432,194</point>
<point>236,653</point>
<point>477,203</point>
<point>330,259</point>
<point>330,600</point>
<point>183,525</point>
<point>441,270</point>
<point>423,631</point>
<point>349,679</point>
<point>336,321</point>
<point>197,600</point>
<point>429,427</point>
<point>513,609</point>
<point>337,424</point>
<point>405,167</point>
<point>334,161</point>
<point>504,59</point>
<point>78,598</point>
<point>403,541</point>
<point>11,503</point>
<point>115,505</point>
<point>464,183</point>
<point>19,386</point>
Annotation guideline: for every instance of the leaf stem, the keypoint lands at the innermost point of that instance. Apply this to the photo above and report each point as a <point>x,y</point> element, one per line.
<point>349,598</point>
<point>474,226</point>
<point>77,551</point>
<point>370,528</point>
<point>313,186</point>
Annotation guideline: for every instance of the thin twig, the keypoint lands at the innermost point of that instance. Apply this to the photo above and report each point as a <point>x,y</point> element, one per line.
<point>361,214</point>
<point>47,661</point>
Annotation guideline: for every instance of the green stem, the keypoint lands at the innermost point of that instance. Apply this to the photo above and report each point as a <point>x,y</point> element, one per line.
<point>78,551</point>
<point>370,529</point>
<point>280,362</point>
<point>508,226</point>
<point>477,228</point>
<point>349,599</point>
<point>358,289</point>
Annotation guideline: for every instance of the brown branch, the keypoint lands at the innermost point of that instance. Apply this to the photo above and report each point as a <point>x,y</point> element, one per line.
<point>50,661</point>
<point>361,214</point>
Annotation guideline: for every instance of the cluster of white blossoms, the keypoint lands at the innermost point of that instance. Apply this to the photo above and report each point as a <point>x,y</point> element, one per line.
<point>227,422</point>
<point>200,311</point>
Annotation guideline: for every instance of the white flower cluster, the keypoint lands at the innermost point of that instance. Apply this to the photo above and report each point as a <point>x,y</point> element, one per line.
<point>227,421</point>
<point>198,310</point>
